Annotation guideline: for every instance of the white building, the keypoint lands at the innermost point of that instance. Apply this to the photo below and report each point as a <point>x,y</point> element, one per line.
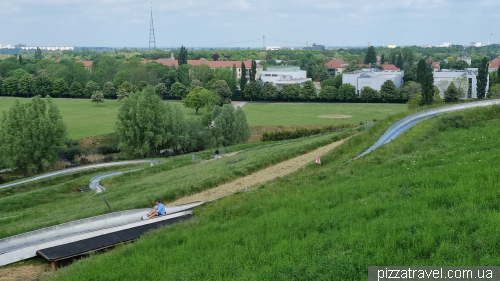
<point>463,79</point>
<point>373,78</point>
<point>476,44</point>
<point>50,48</point>
<point>283,75</point>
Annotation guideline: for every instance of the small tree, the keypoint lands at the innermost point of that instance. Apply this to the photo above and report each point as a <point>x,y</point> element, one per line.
<point>221,89</point>
<point>121,95</point>
<point>269,91</point>
<point>243,79</point>
<point>347,92</point>
<point>26,85</point>
<point>126,86</point>
<point>411,89</point>
<point>161,90</point>
<point>371,57</point>
<point>368,94</point>
<point>199,98</point>
<point>43,84</point>
<point>327,93</point>
<point>388,91</point>
<point>482,79</point>
<point>494,92</point>
<point>230,126</point>
<point>251,90</point>
<point>75,90</point>
<point>97,97</point>
<point>141,85</point>
<point>182,56</point>
<point>253,71</point>
<point>108,90</point>
<point>289,92</point>
<point>327,82</point>
<point>451,94</point>
<point>195,83</point>
<point>179,90</point>
<point>90,88</point>
<point>60,87</point>
<point>337,81</point>
<point>414,102</point>
<point>309,91</point>
<point>382,59</point>
<point>428,90</point>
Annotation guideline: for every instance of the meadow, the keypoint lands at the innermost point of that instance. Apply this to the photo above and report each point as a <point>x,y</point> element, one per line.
<point>40,204</point>
<point>84,119</point>
<point>429,197</point>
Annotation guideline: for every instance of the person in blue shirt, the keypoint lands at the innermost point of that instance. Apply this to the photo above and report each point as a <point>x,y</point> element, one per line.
<point>159,210</point>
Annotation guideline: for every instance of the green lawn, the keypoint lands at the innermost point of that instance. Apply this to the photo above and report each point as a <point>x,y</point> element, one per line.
<point>430,197</point>
<point>267,114</point>
<point>84,119</point>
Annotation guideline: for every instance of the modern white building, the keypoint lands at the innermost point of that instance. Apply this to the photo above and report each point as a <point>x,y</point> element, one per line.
<point>463,79</point>
<point>283,75</point>
<point>373,78</point>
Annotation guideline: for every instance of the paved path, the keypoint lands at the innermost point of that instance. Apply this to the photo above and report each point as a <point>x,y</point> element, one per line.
<point>237,104</point>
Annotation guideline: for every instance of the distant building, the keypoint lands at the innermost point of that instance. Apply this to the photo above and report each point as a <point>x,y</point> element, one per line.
<point>272,48</point>
<point>314,47</point>
<point>468,60</point>
<point>476,44</point>
<point>373,78</point>
<point>284,75</point>
<point>425,46</point>
<point>445,44</point>
<point>444,77</point>
<point>388,66</point>
<point>49,48</point>
<point>493,65</point>
<point>392,46</point>
<point>336,66</point>
<point>436,66</point>
<point>287,48</point>
<point>87,64</point>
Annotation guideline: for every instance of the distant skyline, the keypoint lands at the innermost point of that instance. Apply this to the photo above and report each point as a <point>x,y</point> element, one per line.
<point>201,23</point>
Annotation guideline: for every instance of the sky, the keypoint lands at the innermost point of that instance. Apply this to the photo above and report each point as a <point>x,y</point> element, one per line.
<point>224,23</point>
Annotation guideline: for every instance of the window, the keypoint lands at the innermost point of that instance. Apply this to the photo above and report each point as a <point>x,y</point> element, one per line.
<point>275,75</point>
<point>267,75</point>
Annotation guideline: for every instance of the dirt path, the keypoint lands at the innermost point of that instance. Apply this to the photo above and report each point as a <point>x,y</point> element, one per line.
<point>257,178</point>
<point>23,272</point>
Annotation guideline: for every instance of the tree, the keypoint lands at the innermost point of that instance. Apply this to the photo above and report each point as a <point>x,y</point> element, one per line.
<point>289,92</point>
<point>234,80</point>
<point>308,91</point>
<point>388,91</point>
<point>337,81</point>
<point>253,71</point>
<point>346,92</point>
<point>59,88</point>
<point>451,94</point>
<point>121,95</point>
<point>243,79</point>
<point>269,91</point>
<point>97,97</point>
<point>90,88</point>
<point>202,73</point>
<point>31,134</point>
<point>251,90</point>
<point>482,79</point>
<point>368,94</point>
<point>195,83</point>
<point>179,90</point>
<point>108,90</point>
<point>498,75</point>
<point>494,92</point>
<point>125,86</point>
<point>143,124</point>
<point>327,82</point>
<point>21,62</point>
<point>75,90</point>
<point>411,89</point>
<point>182,56</point>
<point>427,89</point>
<point>382,59</point>
<point>371,57</point>
<point>10,86</point>
<point>399,61</point>
<point>43,84</point>
<point>141,85</point>
<point>221,89</point>
<point>161,90</point>
<point>414,102</point>
<point>230,126</point>
<point>421,71</point>
<point>38,54</point>
<point>319,72</point>
<point>198,98</point>
<point>26,85</point>
<point>327,93</point>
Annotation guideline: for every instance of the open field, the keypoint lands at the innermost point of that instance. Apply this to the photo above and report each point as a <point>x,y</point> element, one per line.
<point>41,204</point>
<point>430,197</point>
<point>84,119</point>
<point>266,114</point>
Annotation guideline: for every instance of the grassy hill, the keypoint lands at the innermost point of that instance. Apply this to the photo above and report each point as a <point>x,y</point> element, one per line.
<point>430,197</point>
<point>84,119</point>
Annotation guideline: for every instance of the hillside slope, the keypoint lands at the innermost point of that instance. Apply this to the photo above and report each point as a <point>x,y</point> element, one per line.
<point>430,197</point>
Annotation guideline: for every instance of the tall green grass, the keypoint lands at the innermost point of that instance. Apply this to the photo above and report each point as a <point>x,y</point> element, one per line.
<point>54,201</point>
<point>430,197</point>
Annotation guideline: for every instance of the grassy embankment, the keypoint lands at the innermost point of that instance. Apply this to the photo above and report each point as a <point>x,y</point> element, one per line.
<point>84,119</point>
<point>430,197</point>
<point>54,201</point>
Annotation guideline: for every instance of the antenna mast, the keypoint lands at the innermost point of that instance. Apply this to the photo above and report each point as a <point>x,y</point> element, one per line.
<point>152,31</point>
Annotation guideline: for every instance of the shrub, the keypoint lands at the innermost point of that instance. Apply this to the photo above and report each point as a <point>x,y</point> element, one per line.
<point>107,149</point>
<point>2,180</point>
<point>301,132</point>
<point>109,158</point>
<point>457,121</point>
<point>83,160</point>
<point>73,152</point>
<point>414,102</point>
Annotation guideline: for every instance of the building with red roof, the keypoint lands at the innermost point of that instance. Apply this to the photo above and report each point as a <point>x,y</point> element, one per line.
<point>436,66</point>
<point>336,66</point>
<point>388,66</point>
<point>494,64</point>
<point>87,64</point>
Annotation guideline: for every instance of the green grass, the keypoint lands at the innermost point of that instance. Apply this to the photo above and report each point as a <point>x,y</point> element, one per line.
<point>266,114</point>
<point>430,197</point>
<point>84,119</point>
<point>55,201</point>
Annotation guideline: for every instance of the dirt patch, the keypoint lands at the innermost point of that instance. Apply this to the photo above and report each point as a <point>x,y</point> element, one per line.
<point>256,132</point>
<point>260,177</point>
<point>335,116</point>
<point>93,142</point>
<point>23,272</point>
<point>236,103</point>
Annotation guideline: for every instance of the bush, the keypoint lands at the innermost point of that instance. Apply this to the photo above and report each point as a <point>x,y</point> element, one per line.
<point>2,180</point>
<point>414,102</point>
<point>109,158</point>
<point>106,149</point>
<point>73,152</point>
<point>301,132</point>
<point>83,160</point>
